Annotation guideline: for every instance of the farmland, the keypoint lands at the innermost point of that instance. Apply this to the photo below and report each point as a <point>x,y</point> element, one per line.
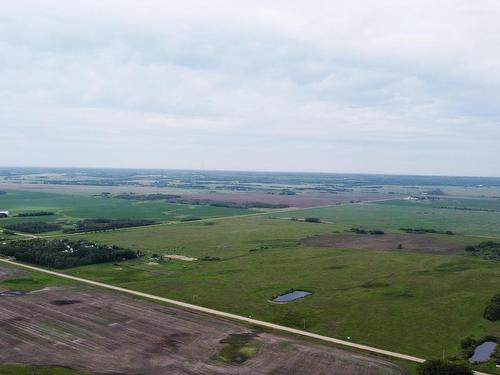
<point>95,331</point>
<point>367,295</point>
<point>392,273</point>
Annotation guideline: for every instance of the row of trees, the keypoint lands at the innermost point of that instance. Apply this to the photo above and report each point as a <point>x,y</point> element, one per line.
<point>93,225</point>
<point>425,230</point>
<point>35,213</point>
<point>33,227</point>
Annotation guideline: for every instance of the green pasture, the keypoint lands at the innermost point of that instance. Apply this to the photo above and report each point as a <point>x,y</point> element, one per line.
<point>411,303</point>
<point>392,215</point>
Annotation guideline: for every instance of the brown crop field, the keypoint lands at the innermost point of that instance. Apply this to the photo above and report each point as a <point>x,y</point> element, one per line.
<point>303,200</point>
<point>102,332</point>
<point>415,243</point>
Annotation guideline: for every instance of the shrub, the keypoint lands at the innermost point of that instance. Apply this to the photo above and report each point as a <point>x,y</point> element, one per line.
<point>35,227</point>
<point>487,250</point>
<point>359,230</point>
<point>438,367</point>
<point>35,213</point>
<point>492,311</point>
<point>312,220</point>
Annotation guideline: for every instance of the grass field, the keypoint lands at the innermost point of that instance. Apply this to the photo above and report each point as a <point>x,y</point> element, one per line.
<point>414,303</point>
<point>411,303</point>
<point>392,215</point>
<point>470,204</point>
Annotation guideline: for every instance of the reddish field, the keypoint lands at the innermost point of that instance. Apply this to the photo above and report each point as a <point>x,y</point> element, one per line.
<point>102,332</point>
<point>299,201</point>
<point>415,243</point>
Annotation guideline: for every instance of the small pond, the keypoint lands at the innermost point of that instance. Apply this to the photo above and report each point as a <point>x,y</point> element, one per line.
<point>12,293</point>
<point>290,296</point>
<point>483,352</point>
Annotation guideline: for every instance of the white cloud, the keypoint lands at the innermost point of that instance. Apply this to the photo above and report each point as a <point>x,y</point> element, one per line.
<point>377,81</point>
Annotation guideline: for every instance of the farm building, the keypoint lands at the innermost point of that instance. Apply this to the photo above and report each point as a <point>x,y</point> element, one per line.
<point>4,213</point>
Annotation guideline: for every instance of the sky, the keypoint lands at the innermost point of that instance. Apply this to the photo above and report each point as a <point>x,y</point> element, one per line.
<point>403,87</point>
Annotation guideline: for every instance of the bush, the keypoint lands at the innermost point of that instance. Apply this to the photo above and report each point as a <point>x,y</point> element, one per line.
<point>438,367</point>
<point>312,220</point>
<point>492,311</point>
<point>359,230</point>
<point>487,250</point>
<point>209,258</point>
<point>468,345</point>
<point>35,213</point>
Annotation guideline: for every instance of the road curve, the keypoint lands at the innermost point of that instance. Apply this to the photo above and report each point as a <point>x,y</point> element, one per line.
<point>240,318</point>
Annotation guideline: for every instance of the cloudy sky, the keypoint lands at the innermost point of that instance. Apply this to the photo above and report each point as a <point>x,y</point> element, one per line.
<point>407,87</point>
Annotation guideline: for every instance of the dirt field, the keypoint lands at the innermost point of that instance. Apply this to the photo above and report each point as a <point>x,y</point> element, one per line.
<point>109,333</point>
<point>7,273</point>
<point>415,243</point>
<point>298,201</point>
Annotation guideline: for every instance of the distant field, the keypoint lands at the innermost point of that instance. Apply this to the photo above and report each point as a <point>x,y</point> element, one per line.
<point>74,207</point>
<point>471,204</point>
<point>392,215</point>
<point>370,296</point>
<point>420,299</point>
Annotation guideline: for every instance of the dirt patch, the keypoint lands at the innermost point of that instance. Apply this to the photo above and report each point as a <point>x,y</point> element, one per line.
<point>415,243</point>
<point>111,333</point>
<point>9,272</point>
<point>180,257</point>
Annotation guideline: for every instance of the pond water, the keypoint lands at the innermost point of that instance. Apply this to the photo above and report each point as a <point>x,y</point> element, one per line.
<point>296,294</point>
<point>12,293</point>
<point>483,352</point>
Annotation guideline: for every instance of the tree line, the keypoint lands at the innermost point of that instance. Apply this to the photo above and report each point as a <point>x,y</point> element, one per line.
<point>65,253</point>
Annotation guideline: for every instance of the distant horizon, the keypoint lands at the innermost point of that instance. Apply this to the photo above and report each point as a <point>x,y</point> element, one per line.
<point>247,171</point>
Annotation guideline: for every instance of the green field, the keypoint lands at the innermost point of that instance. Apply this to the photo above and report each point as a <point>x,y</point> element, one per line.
<point>70,207</point>
<point>392,215</point>
<point>468,204</point>
<point>411,303</point>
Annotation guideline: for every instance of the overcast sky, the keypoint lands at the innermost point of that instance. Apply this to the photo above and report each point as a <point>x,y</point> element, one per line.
<point>407,87</point>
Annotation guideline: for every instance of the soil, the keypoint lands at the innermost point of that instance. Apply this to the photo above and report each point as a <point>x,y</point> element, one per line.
<point>305,200</point>
<point>414,243</point>
<point>102,332</point>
